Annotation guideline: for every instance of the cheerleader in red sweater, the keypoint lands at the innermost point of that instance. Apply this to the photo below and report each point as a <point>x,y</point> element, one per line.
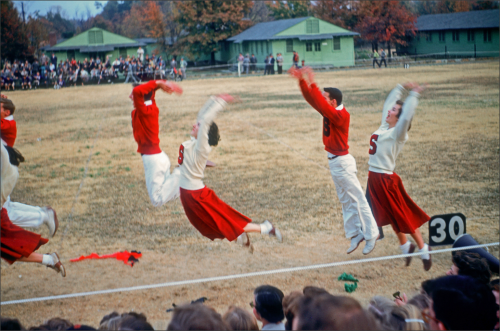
<point>162,185</point>
<point>20,214</point>
<point>359,223</point>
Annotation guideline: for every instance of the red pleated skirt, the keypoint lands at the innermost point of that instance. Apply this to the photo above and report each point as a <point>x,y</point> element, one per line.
<point>17,242</point>
<point>212,216</point>
<point>392,205</point>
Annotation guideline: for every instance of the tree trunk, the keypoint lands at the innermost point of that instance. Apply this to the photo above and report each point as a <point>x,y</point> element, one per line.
<point>212,58</point>
<point>389,48</point>
<point>374,46</point>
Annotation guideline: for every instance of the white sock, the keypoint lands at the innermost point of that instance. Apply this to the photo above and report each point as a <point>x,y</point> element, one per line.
<point>406,247</point>
<point>266,227</point>
<point>45,216</point>
<point>47,260</point>
<point>424,249</point>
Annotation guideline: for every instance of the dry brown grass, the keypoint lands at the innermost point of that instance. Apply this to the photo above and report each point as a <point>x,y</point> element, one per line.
<point>450,164</point>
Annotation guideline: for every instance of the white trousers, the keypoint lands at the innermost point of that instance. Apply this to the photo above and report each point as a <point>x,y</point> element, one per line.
<point>162,185</point>
<point>23,215</point>
<point>358,217</point>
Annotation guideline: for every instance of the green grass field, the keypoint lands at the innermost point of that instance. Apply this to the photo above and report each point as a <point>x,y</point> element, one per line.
<point>271,164</point>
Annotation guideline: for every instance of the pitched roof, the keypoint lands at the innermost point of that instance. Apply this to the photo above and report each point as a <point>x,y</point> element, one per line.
<point>479,19</point>
<point>266,30</point>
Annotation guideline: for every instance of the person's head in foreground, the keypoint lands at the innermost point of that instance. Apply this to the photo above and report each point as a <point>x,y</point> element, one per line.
<point>268,305</point>
<point>196,317</point>
<point>240,319</point>
<point>329,312</point>
<point>460,303</point>
<point>470,264</point>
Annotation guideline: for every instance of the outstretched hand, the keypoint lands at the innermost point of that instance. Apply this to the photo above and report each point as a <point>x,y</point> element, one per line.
<point>401,301</point>
<point>419,88</point>
<point>228,98</point>
<point>3,96</point>
<point>295,73</point>
<point>169,87</point>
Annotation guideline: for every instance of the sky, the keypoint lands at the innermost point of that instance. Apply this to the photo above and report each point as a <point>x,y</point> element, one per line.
<point>68,6</point>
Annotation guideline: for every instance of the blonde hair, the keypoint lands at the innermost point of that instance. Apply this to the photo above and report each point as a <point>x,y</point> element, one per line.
<point>240,319</point>
<point>407,317</point>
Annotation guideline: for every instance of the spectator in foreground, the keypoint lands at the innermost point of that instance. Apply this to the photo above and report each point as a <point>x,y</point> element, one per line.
<point>10,324</point>
<point>470,264</point>
<point>328,312</point>
<point>196,317</point>
<point>460,303</point>
<point>268,307</point>
<point>240,319</point>
<point>291,307</point>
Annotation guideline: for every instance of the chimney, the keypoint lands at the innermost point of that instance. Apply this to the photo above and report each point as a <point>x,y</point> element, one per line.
<point>52,39</point>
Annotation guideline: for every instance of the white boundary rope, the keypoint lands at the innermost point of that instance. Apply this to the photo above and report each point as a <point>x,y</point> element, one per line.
<point>244,275</point>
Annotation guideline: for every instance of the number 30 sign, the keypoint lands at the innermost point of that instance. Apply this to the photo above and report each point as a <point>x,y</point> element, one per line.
<point>445,229</point>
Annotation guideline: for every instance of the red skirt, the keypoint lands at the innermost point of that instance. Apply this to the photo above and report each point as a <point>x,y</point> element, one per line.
<point>17,242</point>
<point>212,216</point>
<point>392,205</point>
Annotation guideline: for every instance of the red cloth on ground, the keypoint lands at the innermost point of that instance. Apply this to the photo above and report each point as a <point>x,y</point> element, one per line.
<point>145,120</point>
<point>9,132</point>
<point>392,205</point>
<point>212,216</point>
<point>335,122</point>
<point>17,242</point>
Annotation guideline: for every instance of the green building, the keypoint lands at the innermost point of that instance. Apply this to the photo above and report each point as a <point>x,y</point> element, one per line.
<point>96,42</point>
<point>317,42</point>
<point>466,34</point>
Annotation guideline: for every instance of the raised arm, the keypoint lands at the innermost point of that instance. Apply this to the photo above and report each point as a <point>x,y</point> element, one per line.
<point>407,113</point>
<point>139,91</point>
<point>206,117</point>
<point>390,101</point>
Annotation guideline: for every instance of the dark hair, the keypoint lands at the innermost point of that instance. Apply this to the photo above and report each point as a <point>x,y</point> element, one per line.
<point>133,321</point>
<point>401,103</point>
<point>10,324</point>
<point>8,104</point>
<point>334,93</point>
<point>240,319</point>
<point>108,317</point>
<point>328,312</point>
<point>312,291</point>
<point>58,324</point>
<point>291,307</point>
<point>196,317</point>
<point>213,135</point>
<point>269,303</point>
<point>471,264</point>
<point>462,303</point>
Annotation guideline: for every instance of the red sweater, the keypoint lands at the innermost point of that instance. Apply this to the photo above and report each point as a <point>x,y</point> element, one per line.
<point>9,132</point>
<point>145,119</point>
<point>335,122</point>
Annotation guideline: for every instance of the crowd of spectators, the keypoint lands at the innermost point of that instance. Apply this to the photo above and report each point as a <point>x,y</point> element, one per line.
<point>465,299</point>
<point>49,73</point>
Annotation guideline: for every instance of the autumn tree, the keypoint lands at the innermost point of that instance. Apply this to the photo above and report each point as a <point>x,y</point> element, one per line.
<point>281,10</point>
<point>343,13</point>
<point>385,22</point>
<point>207,23</point>
<point>15,44</point>
<point>260,12</point>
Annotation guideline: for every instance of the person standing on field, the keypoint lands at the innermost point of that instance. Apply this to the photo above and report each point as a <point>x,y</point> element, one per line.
<point>375,57</point>
<point>385,191</point>
<point>359,223</point>
<point>382,58</point>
